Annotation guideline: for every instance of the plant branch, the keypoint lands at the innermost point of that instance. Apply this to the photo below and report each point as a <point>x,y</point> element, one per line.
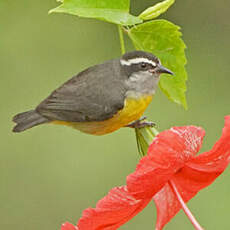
<point>121,36</point>
<point>184,206</point>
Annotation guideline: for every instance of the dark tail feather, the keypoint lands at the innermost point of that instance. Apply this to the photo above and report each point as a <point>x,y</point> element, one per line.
<point>28,120</point>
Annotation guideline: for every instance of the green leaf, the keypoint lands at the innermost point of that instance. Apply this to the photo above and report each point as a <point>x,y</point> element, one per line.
<point>114,11</point>
<point>155,11</point>
<point>163,39</point>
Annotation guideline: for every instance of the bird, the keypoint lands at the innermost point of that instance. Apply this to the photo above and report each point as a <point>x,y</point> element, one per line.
<point>101,99</point>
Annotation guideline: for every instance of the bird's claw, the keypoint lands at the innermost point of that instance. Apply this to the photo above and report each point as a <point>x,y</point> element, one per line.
<point>140,123</point>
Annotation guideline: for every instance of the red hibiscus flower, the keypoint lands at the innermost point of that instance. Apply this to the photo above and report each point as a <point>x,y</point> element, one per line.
<point>171,174</point>
<point>68,226</point>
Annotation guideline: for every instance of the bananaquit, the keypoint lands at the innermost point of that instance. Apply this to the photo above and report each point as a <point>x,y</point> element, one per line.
<point>102,98</point>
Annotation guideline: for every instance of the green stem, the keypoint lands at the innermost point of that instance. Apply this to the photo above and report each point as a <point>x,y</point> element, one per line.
<point>122,42</point>
<point>144,138</point>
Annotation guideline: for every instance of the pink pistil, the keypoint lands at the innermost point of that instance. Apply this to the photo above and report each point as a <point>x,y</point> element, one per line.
<point>184,206</point>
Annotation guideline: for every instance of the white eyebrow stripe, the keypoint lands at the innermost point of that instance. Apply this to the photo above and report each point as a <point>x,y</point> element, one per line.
<point>136,61</point>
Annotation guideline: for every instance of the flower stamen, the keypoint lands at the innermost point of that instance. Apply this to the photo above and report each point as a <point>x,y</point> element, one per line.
<point>184,206</point>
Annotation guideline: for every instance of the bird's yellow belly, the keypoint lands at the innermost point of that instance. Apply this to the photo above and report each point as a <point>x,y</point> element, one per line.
<point>133,110</point>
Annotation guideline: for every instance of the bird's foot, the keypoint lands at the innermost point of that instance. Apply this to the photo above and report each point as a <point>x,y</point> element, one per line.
<point>141,123</point>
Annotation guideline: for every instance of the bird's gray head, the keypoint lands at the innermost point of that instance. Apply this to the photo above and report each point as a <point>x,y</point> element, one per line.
<point>143,71</point>
<point>140,61</point>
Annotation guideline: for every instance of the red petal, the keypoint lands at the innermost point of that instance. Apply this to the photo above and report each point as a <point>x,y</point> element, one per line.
<point>188,182</point>
<point>112,211</point>
<point>169,151</point>
<point>220,151</point>
<point>68,226</point>
<point>194,176</point>
<point>167,206</point>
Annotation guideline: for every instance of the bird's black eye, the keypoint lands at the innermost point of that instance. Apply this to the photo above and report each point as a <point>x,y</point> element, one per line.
<point>143,65</point>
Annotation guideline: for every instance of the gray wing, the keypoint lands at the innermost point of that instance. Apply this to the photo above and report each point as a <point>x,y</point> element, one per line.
<point>93,95</point>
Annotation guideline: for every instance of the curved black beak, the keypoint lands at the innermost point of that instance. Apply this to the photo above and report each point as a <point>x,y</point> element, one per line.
<point>162,69</point>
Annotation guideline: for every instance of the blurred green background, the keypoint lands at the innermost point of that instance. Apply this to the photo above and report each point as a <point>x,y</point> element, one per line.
<point>50,174</point>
